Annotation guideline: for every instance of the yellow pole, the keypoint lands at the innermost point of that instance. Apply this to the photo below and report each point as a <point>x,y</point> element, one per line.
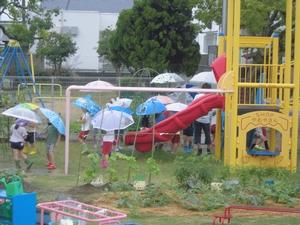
<point>235,68</point>
<point>288,49</point>
<point>228,97</point>
<point>275,70</point>
<point>296,89</point>
<point>218,131</point>
<point>287,78</point>
<point>32,73</point>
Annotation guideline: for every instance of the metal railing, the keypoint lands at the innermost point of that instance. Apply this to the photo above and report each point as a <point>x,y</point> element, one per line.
<point>263,84</point>
<point>39,86</point>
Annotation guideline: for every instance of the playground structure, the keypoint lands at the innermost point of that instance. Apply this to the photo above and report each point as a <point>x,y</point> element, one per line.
<point>264,95</point>
<point>13,60</point>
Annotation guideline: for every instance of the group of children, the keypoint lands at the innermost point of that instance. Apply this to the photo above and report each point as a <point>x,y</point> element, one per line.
<point>22,134</point>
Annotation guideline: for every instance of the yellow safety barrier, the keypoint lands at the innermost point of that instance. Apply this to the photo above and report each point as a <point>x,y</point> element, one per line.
<point>40,85</point>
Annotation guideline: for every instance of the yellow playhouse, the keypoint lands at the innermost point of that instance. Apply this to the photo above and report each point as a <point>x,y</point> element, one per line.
<point>263,95</point>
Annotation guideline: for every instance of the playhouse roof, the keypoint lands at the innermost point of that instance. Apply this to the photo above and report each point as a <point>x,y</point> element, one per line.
<point>103,6</point>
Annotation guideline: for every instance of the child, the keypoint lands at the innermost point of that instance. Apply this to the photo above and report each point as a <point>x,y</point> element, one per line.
<point>188,138</point>
<point>30,139</point>
<point>85,121</point>
<point>145,123</point>
<point>259,138</point>
<point>17,140</point>
<point>175,141</point>
<point>108,140</point>
<point>203,123</point>
<point>52,139</point>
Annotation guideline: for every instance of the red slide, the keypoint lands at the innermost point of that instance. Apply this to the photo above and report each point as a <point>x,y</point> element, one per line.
<point>165,130</point>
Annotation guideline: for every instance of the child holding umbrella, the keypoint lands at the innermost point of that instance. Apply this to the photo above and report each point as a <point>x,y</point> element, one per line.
<point>52,139</point>
<point>17,140</point>
<point>54,129</point>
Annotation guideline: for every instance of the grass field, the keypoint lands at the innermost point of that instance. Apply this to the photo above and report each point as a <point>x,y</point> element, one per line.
<point>56,185</point>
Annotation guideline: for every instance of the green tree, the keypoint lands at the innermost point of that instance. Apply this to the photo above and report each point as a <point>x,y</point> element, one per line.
<point>107,49</point>
<point>258,17</point>
<point>56,48</point>
<point>29,20</point>
<point>159,35</point>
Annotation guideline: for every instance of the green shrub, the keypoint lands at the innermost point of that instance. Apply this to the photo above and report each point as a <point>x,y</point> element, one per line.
<point>154,196</point>
<point>194,172</point>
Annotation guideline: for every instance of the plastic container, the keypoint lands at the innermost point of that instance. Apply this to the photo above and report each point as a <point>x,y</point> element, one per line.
<point>6,210</point>
<point>14,188</point>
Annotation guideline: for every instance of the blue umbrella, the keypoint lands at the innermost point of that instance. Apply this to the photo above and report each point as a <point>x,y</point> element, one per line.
<point>121,109</point>
<point>55,119</point>
<point>150,107</point>
<point>88,104</point>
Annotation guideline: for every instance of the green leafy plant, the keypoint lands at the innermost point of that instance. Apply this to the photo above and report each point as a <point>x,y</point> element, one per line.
<point>133,166</point>
<point>121,186</point>
<point>152,167</point>
<point>154,196</point>
<point>194,172</point>
<point>75,127</point>
<point>92,170</point>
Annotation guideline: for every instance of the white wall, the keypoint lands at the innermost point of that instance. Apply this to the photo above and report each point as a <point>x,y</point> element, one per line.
<point>89,25</point>
<point>204,40</point>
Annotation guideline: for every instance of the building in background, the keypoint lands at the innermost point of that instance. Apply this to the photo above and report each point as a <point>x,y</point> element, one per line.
<point>84,20</point>
<point>208,41</point>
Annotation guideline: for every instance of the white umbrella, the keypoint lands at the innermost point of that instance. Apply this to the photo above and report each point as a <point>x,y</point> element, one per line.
<point>176,107</point>
<point>204,77</point>
<point>164,78</point>
<point>109,120</point>
<point>123,102</point>
<point>22,113</point>
<point>98,83</point>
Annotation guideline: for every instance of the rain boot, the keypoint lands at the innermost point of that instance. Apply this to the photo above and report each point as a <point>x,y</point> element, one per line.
<point>190,148</point>
<point>199,151</point>
<point>29,164</point>
<point>33,151</point>
<point>185,149</point>
<point>18,164</point>
<point>103,164</point>
<point>26,149</point>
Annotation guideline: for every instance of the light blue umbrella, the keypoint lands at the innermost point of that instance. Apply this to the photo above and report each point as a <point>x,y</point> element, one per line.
<point>88,104</point>
<point>150,107</point>
<point>55,119</point>
<point>121,109</point>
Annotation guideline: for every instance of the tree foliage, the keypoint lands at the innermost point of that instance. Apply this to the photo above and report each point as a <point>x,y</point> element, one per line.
<point>159,35</point>
<point>258,17</point>
<point>56,48</point>
<point>29,20</point>
<point>107,48</point>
